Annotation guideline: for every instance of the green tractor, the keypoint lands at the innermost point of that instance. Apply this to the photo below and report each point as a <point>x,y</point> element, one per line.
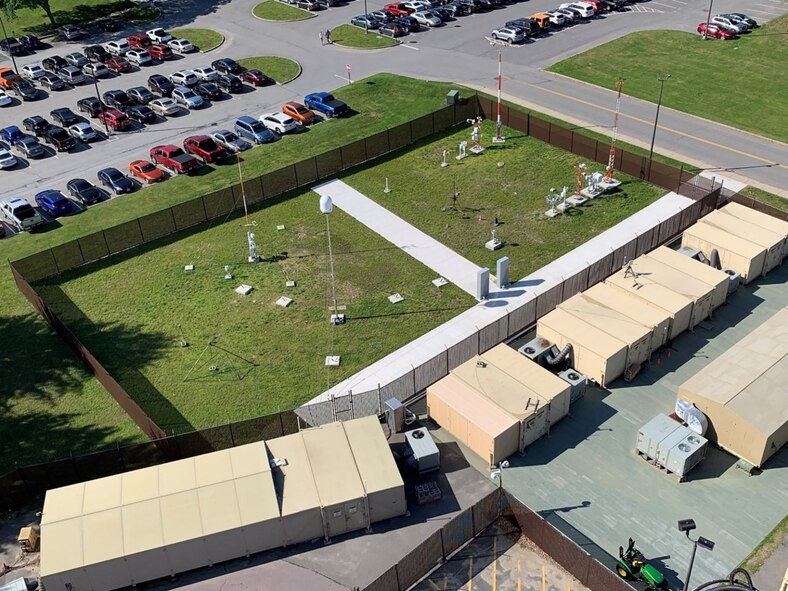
<point>632,564</point>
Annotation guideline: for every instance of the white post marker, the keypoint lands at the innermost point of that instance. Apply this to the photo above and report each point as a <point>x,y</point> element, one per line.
<point>347,67</point>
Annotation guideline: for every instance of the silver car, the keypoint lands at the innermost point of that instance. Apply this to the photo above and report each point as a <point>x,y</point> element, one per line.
<point>229,140</point>
<point>509,34</point>
<point>187,97</point>
<point>427,18</point>
<point>166,107</point>
<point>83,132</point>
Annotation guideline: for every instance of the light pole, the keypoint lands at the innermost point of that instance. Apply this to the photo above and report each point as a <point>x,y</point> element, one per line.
<point>10,54</point>
<point>497,474</point>
<point>708,20</point>
<point>366,23</point>
<point>661,80</point>
<point>103,108</point>
<point>498,139</point>
<point>687,525</point>
<point>326,207</point>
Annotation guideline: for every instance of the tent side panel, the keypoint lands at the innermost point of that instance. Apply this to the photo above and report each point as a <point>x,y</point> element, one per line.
<point>262,536</point>
<point>748,268</point>
<point>302,527</point>
<point>149,565</point>
<point>775,442</point>
<point>385,504</point>
<point>188,555</point>
<point>108,575</point>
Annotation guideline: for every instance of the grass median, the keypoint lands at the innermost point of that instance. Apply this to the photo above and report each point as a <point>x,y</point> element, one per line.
<point>202,39</point>
<point>352,36</point>
<point>733,82</point>
<point>273,10</point>
<point>281,69</point>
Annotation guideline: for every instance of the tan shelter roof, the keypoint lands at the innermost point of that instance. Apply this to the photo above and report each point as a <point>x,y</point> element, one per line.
<point>743,256</point>
<point>758,218</point>
<point>701,271</point>
<point>581,333</point>
<point>755,233</point>
<point>743,392</point>
<point>651,270</point>
<point>333,465</point>
<point>298,491</point>
<point>374,459</point>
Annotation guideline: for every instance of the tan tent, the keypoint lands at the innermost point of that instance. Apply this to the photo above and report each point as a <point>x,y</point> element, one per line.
<point>743,256</point>
<point>382,481</point>
<point>701,271</point>
<point>597,354</point>
<point>654,318</point>
<point>677,306</point>
<point>773,242</point>
<point>759,219</point>
<point>637,336</point>
<point>743,393</point>
<point>477,422</point>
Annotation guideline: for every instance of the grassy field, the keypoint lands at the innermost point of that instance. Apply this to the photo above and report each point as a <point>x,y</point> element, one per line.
<point>350,36</point>
<point>508,182</point>
<point>766,548</point>
<point>65,11</point>
<point>271,358</point>
<point>281,69</point>
<point>273,10</point>
<point>202,39</point>
<point>733,82</point>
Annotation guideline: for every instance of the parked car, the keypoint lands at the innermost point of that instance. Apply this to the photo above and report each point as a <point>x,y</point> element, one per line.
<point>117,99</point>
<point>253,130</point>
<point>310,5</point>
<point>160,85</point>
<point>96,53</point>
<point>165,107</point>
<point>715,31</point>
<point>160,52</point>
<point>397,9</point>
<point>557,19</point>
<point>394,29</point>
<point>36,125</point>
<point>84,191</point>
<point>32,72</point>
<point>76,59</point>
<point>187,97</point>
<point>5,100</point>
<point>571,17</point>
<point>64,116</point>
<point>205,148</point>
<point>230,83</point>
<point>96,70</point>
<point>209,91</point>
<point>30,42</point>
<point>25,90</point>
<point>54,63</point>
<point>750,22</point>
<point>583,10</point>
<point>115,180</point>
<point>408,23</point>
<point>21,214</point>
<point>365,21</point>
<point>736,27</point>
<point>325,103</point>
<point>71,32</point>
<point>139,40</point>
<point>428,18</point>
<point>8,77</point>
<point>51,82</point>
<point>90,105</point>
<point>509,34</point>
<point>180,46</point>
<point>141,114</point>
<point>159,35</point>
<point>115,119</point>
<point>280,123</point>
<point>108,25</point>
<point>382,16</point>
<point>7,159</point>
<point>205,73</point>
<point>117,48</point>
<point>226,65</point>
<point>173,159</point>
<point>528,27</point>
<point>60,139</point>
<point>54,203</point>
<point>146,171</point>
<point>29,147</point>
<point>230,141</point>
<point>139,57</point>
<point>71,75</point>
<point>299,112</point>
<point>118,64</point>
<point>11,133</point>
<point>255,77</point>
<point>83,132</point>
<point>140,95</point>
<point>542,19</point>
<point>184,78</point>
<point>443,14</point>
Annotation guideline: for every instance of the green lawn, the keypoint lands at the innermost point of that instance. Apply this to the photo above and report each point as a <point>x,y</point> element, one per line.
<point>273,10</point>
<point>278,353</point>
<point>142,15</point>
<point>734,82</point>
<point>350,36</point>
<point>780,203</point>
<point>29,20</point>
<point>202,39</point>
<point>513,192</point>
<point>281,69</point>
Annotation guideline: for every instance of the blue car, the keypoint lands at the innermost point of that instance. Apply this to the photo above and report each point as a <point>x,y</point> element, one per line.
<point>252,129</point>
<point>54,203</point>
<point>115,180</point>
<point>11,134</point>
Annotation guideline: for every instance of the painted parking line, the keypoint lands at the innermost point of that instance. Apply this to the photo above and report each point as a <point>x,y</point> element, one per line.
<point>406,46</point>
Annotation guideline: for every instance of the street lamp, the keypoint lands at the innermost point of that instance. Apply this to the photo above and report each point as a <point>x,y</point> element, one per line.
<point>326,207</point>
<point>661,80</point>
<point>497,474</point>
<point>10,53</point>
<point>103,107</point>
<point>708,20</point>
<point>687,525</point>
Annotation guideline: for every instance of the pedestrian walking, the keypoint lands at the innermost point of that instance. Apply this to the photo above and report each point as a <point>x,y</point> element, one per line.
<point>321,38</point>
<point>328,36</point>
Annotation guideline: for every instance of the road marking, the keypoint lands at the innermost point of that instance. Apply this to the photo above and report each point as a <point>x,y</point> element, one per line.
<point>665,5</point>
<point>649,123</point>
<point>406,46</point>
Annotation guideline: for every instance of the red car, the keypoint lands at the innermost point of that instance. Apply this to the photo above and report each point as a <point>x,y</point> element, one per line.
<point>397,9</point>
<point>714,31</point>
<point>146,171</point>
<point>115,119</point>
<point>299,112</point>
<point>159,52</point>
<point>139,40</point>
<point>119,65</point>
<point>255,77</point>
<point>205,148</point>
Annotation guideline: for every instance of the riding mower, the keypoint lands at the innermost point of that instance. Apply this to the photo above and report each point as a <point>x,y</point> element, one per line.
<point>632,564</point>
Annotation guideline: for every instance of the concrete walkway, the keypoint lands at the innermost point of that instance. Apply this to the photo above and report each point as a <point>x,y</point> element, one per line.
<point>422,247</point>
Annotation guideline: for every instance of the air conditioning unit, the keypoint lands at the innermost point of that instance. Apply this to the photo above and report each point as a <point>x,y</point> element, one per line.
<point>686,454</point>
<point>690,252</point>
<point>577,381</point>
<point>536,349</point>
<point>395,415</point>
<point>734,279</point>
<point>422,454</point>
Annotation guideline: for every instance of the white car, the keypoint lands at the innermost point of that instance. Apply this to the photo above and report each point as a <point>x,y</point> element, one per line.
<point>416,5</point>
<point>729,24</point>
<point>7,159</point>
<point>279,122</point>
<point>120,47</point>
<point>510,34</point>
<point>5,100</point>
<point>427,18</point>
<point>180,46</point>
<point>585,10</point>
<point>166,107</point>
<point>83,132</point>
<point>187,97</point>
<point>159,36</point>
<point>206,73</point>
<point>139,57</point>
<point>556,18</point>
<point>569,16</point>
<point>184,78</point>
<point>32,72</point>
<point>96,70</point>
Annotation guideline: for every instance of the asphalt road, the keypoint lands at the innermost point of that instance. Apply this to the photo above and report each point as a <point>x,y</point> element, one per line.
<point>457,52</point>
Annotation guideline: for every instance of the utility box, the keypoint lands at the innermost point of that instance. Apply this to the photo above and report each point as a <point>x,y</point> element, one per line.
<point>577,382</point>
<point>453,98</point>
<point>422,454</point>
<point>28,539</point>
<point>536,349</point>
<point>395,415</point>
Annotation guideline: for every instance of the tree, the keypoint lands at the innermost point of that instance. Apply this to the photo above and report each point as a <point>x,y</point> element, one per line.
<point>10,7</point>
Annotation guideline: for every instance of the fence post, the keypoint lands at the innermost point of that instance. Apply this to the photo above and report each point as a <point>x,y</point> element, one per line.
<point>350,401</point>
<point>681,176</point>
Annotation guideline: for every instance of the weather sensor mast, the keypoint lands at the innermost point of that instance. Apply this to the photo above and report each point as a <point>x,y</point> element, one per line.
<point>612,157</point>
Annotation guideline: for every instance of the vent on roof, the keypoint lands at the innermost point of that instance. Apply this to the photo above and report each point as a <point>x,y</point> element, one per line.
<point>278,462</point>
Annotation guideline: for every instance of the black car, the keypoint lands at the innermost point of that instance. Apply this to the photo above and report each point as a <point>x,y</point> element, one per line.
<point>90,105</point>
<point>161,85</point>
<point>54,63</point>
<point>107,25</point>
<point>29,147</point>
<point>97,53</point>
<point>51,82</point>
<point>230,83</point>
<point>456,8</point>
<point>443,13</point>
<point>226,65</point>
<point>59,138</point>
<point>25,90</point>
<point>410,24</point>
<point>115,180</point>
<point>84,191</point>
<point>31,42</point>
<point>65,116</point>
<point>36,125</point>
<point>209,91</point>
<point>528,26</point>
<point>11,46</point>
<point>141,95</point>
<point>117,99</point>
<point>328,3</point>
<point>141,114</point>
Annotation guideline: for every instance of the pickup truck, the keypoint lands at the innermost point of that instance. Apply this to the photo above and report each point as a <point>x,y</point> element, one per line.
<point>205,148</point>
<point>398,9</point>
<point>325,103</point>
<point>173,158</point>
<point>21,214</point>
<point>8,77</point>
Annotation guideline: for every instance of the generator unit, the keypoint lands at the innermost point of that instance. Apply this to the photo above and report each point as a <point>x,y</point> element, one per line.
<point>422,454</point>
<point>577,381</point>
<point>536,349</point>
<point>671,446</point>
